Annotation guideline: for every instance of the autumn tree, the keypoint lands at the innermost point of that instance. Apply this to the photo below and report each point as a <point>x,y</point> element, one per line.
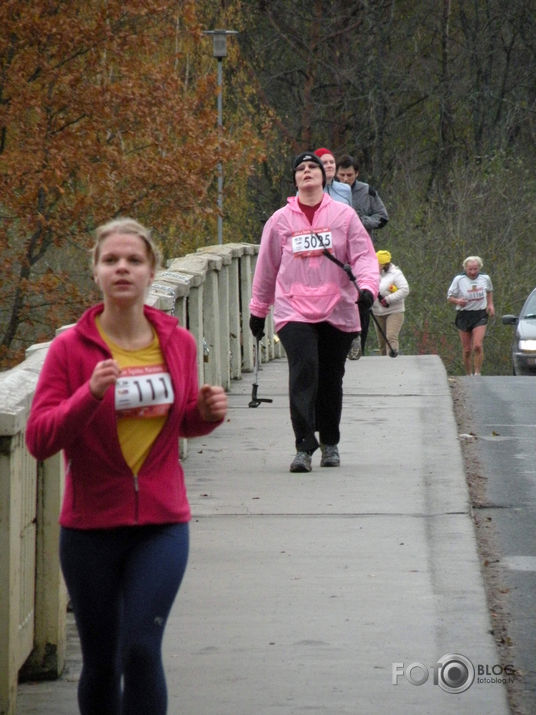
<point>107,108</point>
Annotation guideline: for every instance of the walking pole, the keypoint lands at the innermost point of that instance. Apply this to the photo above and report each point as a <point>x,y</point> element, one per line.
<point>348,270</point>
<point>392,352</point>
<point>256,401</point>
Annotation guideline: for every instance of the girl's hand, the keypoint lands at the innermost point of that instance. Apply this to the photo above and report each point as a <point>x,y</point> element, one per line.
<point>105,373</point>
<point>212,403</point>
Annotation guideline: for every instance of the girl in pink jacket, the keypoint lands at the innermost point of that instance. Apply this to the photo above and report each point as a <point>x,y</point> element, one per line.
<point>116,392</point>
<point>314,303</point>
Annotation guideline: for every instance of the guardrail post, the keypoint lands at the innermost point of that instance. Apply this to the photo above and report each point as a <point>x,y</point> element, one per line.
<point>196,269</point>
<point>47,659</point>
<point>246,278</point>
<point>9,564</point>
<point>224,313</point>
<point>17,556</point>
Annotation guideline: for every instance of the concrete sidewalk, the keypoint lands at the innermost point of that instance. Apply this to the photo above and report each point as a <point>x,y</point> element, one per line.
<point>303,590</point>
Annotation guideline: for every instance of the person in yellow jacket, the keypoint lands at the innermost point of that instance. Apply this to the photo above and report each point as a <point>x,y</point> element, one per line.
<point>389,306</point>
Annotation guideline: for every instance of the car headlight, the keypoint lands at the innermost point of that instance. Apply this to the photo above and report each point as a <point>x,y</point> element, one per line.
<point>527,346</point>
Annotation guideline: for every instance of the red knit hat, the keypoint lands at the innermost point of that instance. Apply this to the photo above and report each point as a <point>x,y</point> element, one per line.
<point>320,152</point>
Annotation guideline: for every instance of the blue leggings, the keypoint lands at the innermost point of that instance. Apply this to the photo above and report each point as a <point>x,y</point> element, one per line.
<point>122,583</point>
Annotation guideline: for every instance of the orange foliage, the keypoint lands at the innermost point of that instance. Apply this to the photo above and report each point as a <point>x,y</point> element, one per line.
<point>107,108</point>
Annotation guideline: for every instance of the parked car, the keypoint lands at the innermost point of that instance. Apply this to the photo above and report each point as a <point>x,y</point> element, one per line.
<point>524,342</point>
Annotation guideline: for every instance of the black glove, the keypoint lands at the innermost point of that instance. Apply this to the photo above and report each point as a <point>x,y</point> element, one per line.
<point>366,299</point>
<point>256,325</point>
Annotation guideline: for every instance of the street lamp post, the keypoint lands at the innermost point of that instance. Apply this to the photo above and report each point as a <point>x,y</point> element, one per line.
<point>219,51</point>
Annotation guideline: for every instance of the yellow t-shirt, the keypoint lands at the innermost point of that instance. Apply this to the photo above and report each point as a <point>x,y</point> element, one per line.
<point>143,397</point>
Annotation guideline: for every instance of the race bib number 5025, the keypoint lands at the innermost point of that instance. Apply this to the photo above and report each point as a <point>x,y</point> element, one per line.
<point>311,243</point>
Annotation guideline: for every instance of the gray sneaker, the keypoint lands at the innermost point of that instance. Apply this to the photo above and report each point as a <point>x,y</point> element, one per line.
<point>301,462</point>
<point>330,455</point>
<point>355,349</point>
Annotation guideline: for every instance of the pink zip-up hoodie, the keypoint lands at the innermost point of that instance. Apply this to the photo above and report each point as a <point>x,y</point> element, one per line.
<point>313,289</point>
<point>100,490</point>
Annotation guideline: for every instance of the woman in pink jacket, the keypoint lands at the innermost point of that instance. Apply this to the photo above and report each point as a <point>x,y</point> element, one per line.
<point>315,312</point>
<point>116,392</point>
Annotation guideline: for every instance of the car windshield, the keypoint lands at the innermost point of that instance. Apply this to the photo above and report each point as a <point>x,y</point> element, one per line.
<point>529,309</point>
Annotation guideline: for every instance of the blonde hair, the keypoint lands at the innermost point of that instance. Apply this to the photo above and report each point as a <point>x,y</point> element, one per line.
<point>128,226</point>
<point>470,259</point>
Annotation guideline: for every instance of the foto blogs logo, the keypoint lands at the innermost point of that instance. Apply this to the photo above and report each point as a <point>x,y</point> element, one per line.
<point>453,672</point>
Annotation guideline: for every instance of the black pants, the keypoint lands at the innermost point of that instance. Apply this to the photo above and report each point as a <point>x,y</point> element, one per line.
<point>122,583</point>
<point>316,354</point>
<point>364,318</point>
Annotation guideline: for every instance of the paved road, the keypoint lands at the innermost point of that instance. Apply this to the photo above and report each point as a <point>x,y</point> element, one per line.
<point>502,412</point>
<point>333,592</point>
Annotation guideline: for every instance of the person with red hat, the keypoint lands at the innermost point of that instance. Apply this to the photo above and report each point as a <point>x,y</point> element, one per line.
<point>313,301</point>
<point>336,189</point>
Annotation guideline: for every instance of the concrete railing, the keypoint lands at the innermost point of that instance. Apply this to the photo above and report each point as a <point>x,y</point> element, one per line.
<point>209,292</point>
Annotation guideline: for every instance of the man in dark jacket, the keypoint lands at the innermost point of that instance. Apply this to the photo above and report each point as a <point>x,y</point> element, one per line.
<point>366,200</point>
<point>373,214</point>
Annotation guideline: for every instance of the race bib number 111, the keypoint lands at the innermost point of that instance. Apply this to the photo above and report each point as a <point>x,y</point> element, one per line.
<point>143,392</point>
